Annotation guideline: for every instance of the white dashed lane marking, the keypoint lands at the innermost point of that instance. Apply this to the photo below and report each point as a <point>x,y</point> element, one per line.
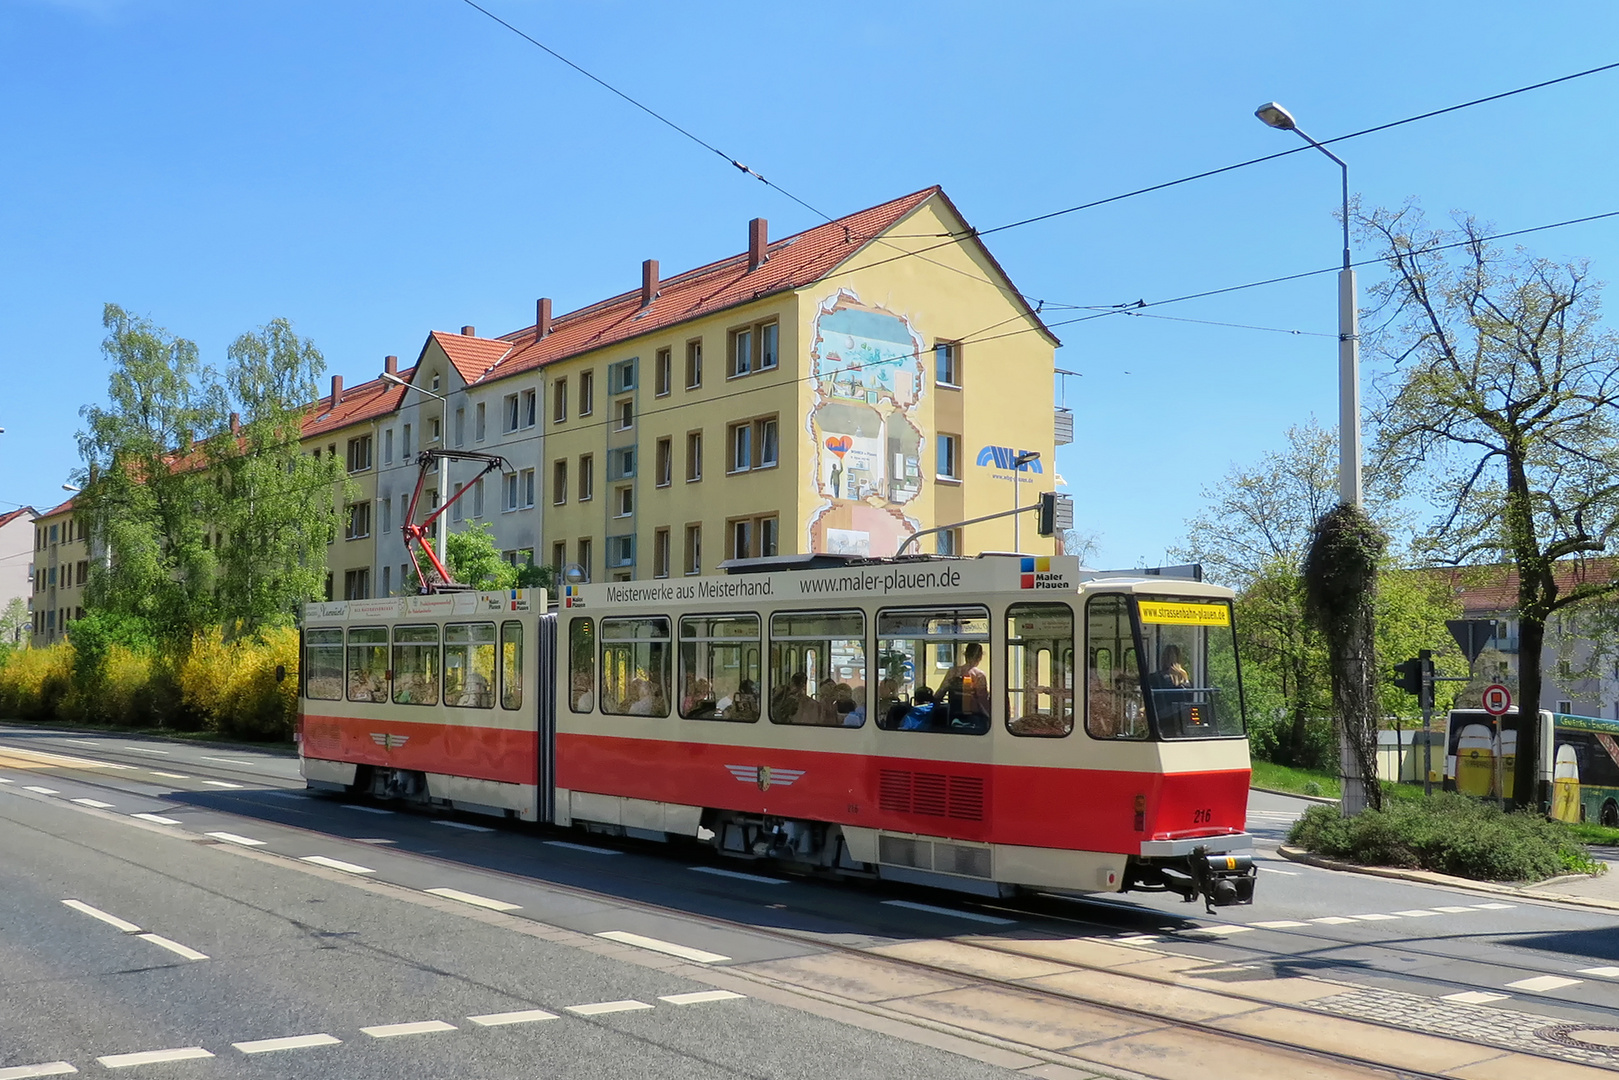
<point>1416,913</point>
<point>221,784</point>
<point>96,913</point>
<point>169,775</point>
<point>1219,931</point>
<point>581,847</point>
<point>365,809</point>
<point>527,1016</point>
<point>1542,984</point>
<point>156,819</point>
<point>28,1072</point>
<point>1373,918</point>
<point>1474,997</point>
<point>3,780</point>
<point>736,874</point>
<point>463,825</point>
<point>292,1042</point>
<point>952,912</point>
<point>153,1057</point>
<point>42,790</point>
<point>1601,972</point>
<point>145,750</point>
<point>475,900</point>
<point>420,1027</point>
<point>699,997</point>
<point>232,838</point>
<point>97,803</point>
<point>603,1007</point>
<point>1280,924</point>
<point>337,864</point>
<point>174,947</point>
<point>1332,920</point>
<point>668,948</point>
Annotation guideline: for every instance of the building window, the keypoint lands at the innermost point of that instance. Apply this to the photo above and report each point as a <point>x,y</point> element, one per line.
<point>559,483</point>
<point>752,537</point>
<point>694,549</point>
<point>559,557</point>
<point>949,449</point>
<point>435,429</point>
<point>357,584</point>
<point>663,372</point>
<point>620,551</point>
<point>587,393</point>
<point>947,542</point>
<point>387,581</point>
<point>584,556</point>
<point>694,364</point>
<point>525,484</point>
<point>660,553</point>
<point>768,530</point>
<point>531,407</point>
<point>587,477</point>
<point>559,401</point>
<point>435,380</point>
<point>753,444</point>
<point>624,501</point>
<point>479,427</point>
<point>509,483</point>
<point>511,414</point>
<point>388,447</point>
<point>404,440</point>
<point>460,427</point>
<point>385,514</point>
<point>621,463</point>
<point>754,348</point>
<point>621,376</point>
<point>947,363</point>
<point>694,456</point>
<point>359,524</point>
<point>741,546</point>
<point>477,498</point>
<point>662,464</point>
<point>626,414</point>
<point>455,503</point>
<point>404,509</point>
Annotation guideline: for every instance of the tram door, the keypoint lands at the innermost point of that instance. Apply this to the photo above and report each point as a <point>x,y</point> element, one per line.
<point>545,704</point>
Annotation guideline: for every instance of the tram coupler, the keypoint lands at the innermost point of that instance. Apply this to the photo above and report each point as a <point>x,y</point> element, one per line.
<point>1223,879</point>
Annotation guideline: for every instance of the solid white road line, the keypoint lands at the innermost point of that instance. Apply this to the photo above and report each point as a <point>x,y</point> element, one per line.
<point>1280,924</point>
<point>365,809</point>
<point>338,864</point>
<point>156,819</point>
<point>737,874</point>
<point>973,915</point>
<point>668,948</point>
<point>527,1016</point>
<point>1473,997</point>
<point>153,1057</point>
<point>420,1027</point>
<point>97,803</point>
<point>292,1042</point>
<point>1541,984</point>
<point>27,1072</point>
<point>699,997</point>
<point>1602,972</point>
<point>571,846</point>
<point>145,750</point>
<point>463,825</point>
<point>169,775</point>
<point>603,1007</point>
<point>96,913</point>
<point>1416,913</point>
<point>475,900</point>
<point>42,790</point>
<point>232,838</point>
<point>221,783</point>
<point>174,947</point>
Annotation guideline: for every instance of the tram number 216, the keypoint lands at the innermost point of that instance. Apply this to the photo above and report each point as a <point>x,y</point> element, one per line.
<point>1202,817</point>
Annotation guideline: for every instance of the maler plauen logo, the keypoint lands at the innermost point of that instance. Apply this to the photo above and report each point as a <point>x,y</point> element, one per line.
<point>1001,457</point>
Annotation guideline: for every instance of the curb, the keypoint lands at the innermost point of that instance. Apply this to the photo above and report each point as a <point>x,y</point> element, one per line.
<point>1295,795</point>
<point>1429,877</point>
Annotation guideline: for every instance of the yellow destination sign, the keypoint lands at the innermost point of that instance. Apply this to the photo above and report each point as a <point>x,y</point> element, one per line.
<point>1160,611</point>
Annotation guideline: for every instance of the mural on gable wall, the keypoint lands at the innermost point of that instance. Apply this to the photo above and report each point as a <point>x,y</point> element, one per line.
<point>864,426</point>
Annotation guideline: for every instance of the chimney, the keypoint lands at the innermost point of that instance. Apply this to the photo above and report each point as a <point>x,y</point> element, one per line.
<point>235,423</point>
<point>469,331</point>
<point>542,317</point>
<point>337,391</point>
<point>649,282</point>
<point>758,240</point>
<point>390,364</point>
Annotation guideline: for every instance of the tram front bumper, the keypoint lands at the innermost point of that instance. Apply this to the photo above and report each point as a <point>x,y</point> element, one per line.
<point>1220,868</point>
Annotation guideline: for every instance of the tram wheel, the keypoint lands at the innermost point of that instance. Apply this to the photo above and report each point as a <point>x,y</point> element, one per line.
<point>1610,814</point>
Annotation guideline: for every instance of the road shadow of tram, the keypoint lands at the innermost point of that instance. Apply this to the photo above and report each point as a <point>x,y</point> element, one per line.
<point>851,907</point>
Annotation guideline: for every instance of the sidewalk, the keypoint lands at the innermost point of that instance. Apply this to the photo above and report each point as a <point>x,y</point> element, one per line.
<point>1601,892</point>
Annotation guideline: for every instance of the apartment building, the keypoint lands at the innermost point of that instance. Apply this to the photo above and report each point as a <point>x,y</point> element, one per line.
<point>17,560</point>
<point>61,570</point>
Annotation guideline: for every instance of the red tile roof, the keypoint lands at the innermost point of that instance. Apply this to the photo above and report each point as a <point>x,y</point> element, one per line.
<point>1493,590</point>
<point>791,263</point>
<point>61,508</point>
<point>368,400</point>
<point>7,519</point>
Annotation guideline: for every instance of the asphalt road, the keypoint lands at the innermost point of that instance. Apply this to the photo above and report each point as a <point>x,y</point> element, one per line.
<point>290,955</point>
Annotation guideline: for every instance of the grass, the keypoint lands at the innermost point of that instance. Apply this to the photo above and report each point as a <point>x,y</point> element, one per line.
<point>1295,781</point>
<point>1595,834</point>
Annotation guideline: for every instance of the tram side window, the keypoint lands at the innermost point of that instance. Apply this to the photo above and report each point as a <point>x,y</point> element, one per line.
<point>719,667</point>
<point>368,663</point>
<point>635,666</point>
<point>1040,670</point>
<point>818,668</point>
<point>323,664</point>
<point>1113,705</point>
<point>416,665</point>
<point>582,666</point>
<point>469,665</point>
<point>511,665</point>
<point>934,670</point>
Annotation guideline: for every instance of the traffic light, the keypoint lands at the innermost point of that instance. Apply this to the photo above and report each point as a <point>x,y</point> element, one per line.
<point>1408,676</point>
<point>1048,513</point>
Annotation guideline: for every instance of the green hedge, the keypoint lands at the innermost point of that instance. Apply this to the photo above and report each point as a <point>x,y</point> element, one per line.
<point>1450,834</point>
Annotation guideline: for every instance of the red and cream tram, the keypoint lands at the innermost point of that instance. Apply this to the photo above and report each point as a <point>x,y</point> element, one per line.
<point>976,724</point>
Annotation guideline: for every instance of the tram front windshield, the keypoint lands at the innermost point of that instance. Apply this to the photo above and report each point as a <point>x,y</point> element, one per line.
<point>1161,667</point>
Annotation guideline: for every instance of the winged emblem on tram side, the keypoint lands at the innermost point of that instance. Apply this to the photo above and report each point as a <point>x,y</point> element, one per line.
<point>764,776</point>
<point>389,742</point>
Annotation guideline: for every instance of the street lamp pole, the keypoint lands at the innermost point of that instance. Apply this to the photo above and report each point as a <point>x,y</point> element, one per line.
<point>1017,467</point>
<point>1349,447</point>
<point>440,527</point>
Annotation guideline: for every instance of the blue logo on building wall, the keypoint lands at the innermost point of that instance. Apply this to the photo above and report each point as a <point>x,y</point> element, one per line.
<point>1001,457</point>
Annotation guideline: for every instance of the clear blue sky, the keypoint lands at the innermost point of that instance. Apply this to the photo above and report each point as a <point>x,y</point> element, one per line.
<point>374,171</point>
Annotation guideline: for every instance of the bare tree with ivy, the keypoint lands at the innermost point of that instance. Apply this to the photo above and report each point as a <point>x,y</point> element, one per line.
<point>1503,399</point>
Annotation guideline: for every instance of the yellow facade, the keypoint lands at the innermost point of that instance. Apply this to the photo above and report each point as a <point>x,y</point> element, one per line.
<point>61,569</point>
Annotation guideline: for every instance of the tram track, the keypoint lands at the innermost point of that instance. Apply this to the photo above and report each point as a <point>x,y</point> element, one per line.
<point>987,953</point>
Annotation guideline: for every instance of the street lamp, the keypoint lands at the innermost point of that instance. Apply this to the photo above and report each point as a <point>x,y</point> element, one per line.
<point>1017,466</point>
<point>1348,328</point>
<point>440,527</point>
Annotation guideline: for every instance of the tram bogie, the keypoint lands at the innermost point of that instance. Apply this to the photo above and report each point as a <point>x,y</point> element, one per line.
<point>983,725</point>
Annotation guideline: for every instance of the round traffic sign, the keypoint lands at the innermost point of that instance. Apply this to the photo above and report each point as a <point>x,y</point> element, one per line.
<point>1497,699</point>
